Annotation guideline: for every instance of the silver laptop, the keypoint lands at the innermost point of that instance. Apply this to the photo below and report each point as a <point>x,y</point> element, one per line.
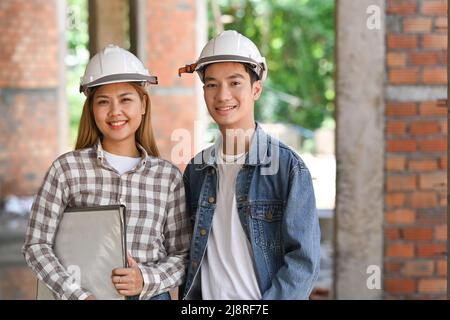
<point>90,243</point>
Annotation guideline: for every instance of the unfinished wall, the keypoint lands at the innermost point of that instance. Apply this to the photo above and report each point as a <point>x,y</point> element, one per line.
<point>31,101</point>
<point>415,230</point>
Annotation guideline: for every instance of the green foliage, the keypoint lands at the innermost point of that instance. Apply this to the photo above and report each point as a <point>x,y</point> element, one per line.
<point>77,57</point>
<point>297,39</point>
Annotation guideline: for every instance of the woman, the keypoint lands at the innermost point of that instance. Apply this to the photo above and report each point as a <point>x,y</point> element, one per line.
<point>115,161</point>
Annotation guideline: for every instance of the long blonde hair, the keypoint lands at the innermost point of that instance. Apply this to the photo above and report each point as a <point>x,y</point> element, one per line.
<point>88,133</point>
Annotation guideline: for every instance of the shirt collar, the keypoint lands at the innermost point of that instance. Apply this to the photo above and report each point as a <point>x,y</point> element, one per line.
<point>101,154</point>
<point>258,154</point>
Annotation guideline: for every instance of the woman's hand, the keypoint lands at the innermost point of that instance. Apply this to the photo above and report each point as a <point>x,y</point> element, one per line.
<point>128,281</point>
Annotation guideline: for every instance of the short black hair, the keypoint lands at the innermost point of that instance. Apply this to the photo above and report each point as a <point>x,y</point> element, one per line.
<point>250,69</point>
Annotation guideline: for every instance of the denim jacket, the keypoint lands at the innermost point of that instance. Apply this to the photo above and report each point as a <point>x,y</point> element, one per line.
<point>276,206</point>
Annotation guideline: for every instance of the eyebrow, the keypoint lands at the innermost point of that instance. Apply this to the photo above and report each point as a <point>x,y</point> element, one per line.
<point>120,95</point>
<point>233,76</point>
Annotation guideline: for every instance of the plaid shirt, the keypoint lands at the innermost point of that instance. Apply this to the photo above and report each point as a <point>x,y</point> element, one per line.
<point>158,228</point>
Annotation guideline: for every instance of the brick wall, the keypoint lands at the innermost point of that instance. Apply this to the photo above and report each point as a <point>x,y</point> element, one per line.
<point>28,93</point>
<point>416,149</point>
<point>171,41</point>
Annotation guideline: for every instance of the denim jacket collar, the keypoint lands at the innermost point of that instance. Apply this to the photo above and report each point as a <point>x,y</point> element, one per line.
<point>259,153</point>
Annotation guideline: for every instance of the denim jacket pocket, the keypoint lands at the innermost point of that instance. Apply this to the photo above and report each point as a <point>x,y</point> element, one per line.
<point>266,223</point>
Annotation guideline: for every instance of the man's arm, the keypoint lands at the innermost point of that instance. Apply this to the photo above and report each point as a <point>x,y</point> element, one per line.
<point>301,240</point>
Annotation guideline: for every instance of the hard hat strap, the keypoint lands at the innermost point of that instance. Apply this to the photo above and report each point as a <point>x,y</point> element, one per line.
<point>189,68</point>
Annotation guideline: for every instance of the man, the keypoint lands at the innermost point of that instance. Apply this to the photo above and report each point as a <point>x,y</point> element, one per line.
<point>256,233</point>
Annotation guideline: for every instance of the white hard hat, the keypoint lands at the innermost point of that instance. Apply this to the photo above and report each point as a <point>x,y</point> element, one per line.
<point>229,46</point>
<point>114,64</point>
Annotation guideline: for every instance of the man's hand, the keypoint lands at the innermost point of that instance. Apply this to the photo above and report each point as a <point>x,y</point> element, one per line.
<point>91,297</point>
<point>128,281</point>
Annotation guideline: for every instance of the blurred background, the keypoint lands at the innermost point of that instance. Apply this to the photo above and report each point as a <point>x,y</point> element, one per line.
<point>363,82</point>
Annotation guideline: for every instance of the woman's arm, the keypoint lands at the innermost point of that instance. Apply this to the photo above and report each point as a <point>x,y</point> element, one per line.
<point>169,272</point>
<point>45,216</point>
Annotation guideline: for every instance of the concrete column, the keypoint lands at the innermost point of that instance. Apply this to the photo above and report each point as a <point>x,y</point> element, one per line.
<point>359,147</point>
<point>108,23</point>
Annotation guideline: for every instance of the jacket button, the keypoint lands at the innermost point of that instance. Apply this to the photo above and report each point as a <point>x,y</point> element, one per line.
<point>213,171</point>
<point>270,214</point>
<point>194,264</point>
<point>203,232</point>
<point>211,199</point>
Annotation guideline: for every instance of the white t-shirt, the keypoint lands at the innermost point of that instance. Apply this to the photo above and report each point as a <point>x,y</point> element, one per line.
<point>227,270</point>
<point>121,163</point>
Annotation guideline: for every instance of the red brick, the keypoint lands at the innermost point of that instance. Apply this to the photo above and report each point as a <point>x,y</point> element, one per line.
<point>428,218</point>
<point>400,216</point>
<point>425,58</point>
<point>419,268</point>
<point>441,24</point>
<point>431,250</point>
<point>441,266</point>
<point>396,59</point>
<point>424,199</point>
<point>400,285</point>
<point>435,8</point>
<point>432,181</point>
<point>400,109</point>
<point>400,183</point>
<point>395,199</point>
<point>444,127</point>
<point>401,250</point>
<point>392,267</point>
<point>434,76</point>
<point>424,127</point>
<point>401,7</point>
<point>433,145</point>
<point>392,233</point>
<point>432,285</point>
<point>431,108</point>
<point>444,57</point>
<point>418,233</point>
<point>422,165</point>
<point>443,196</point>
<point>417,24</point>
<point>403,75</point>
<point>396,127</point>
<point>443,163</point>
<point>400,41</point>
<point>395,163</point>
<point>406,145</point>
<point>440,232</point>
<point>434,41</point>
